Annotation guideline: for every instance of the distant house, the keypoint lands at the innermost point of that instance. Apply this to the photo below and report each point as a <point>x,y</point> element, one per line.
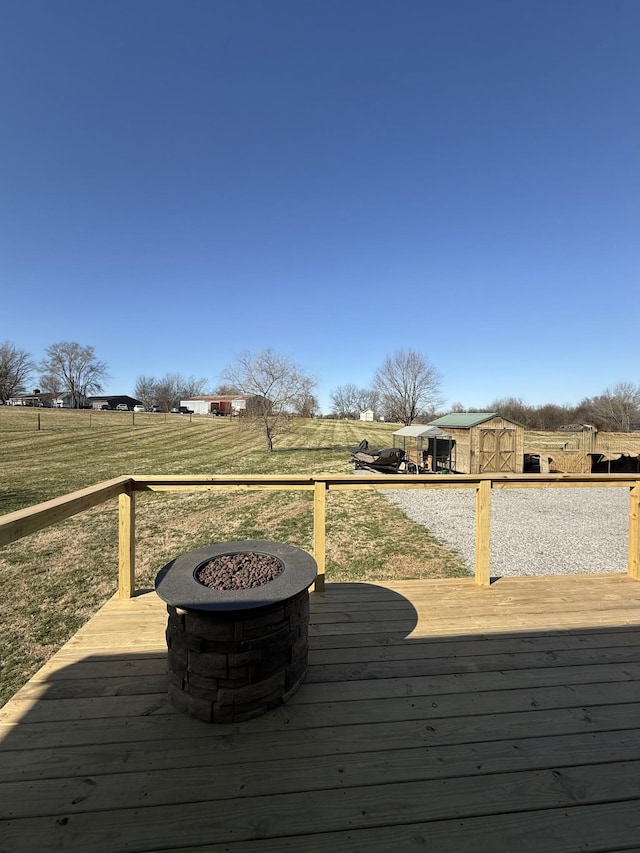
<point>61,401</point>
<point>486,442</point>
<point>225,404</point>
<point>367,415</point>
<point>36,399</point>
<point>69,401</point>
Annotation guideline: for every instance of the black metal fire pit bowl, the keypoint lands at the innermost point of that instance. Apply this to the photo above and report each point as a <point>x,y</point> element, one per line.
<point>235,653</point>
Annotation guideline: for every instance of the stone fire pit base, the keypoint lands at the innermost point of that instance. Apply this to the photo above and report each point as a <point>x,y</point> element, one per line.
<point>225,667</point>
<point>235,653</point>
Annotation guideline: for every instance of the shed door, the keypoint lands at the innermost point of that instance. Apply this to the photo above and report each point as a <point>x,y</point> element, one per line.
<point>497,450</point>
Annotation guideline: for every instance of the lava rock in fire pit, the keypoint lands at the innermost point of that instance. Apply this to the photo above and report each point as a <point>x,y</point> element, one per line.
<point>239,571</point>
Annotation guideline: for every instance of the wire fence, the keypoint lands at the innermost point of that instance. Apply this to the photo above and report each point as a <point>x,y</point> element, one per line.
<point>28,419</point>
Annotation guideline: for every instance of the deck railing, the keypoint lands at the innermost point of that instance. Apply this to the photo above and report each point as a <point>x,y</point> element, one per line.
<point>23,522</point>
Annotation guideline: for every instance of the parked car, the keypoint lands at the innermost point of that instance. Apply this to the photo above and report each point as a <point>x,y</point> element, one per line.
<point>105,407</point>
<point>184,411</point>
<point>138,408</point>
<point>122,407</point>
<point>156,409</point>
<point>175,411</point>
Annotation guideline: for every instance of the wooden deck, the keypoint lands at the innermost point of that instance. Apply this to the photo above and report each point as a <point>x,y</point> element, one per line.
<point>436,716</point>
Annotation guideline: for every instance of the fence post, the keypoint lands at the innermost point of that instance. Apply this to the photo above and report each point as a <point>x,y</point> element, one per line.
<point>633,562</point>
<point>319,531</point>
<point>483,533</point>
<point>126,542</point>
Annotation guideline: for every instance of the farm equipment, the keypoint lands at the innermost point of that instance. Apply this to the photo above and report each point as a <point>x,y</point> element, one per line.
<point>387,460</point>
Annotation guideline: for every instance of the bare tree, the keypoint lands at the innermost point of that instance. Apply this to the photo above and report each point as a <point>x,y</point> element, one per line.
<point>511,407</point>
<point>307,406</point>
<point>16,367</point>
<point>74,369</point>
<point>191,386</point>
<point>51,385</point>
<point>342,405</point>
<point>347,401</point>
<point>146,390</point>
<point>167,391</point>
<point>548,416</point>
<point>373,400</point>
<point>409,386</point>
<point>278,385</point>
<point>616,408</point>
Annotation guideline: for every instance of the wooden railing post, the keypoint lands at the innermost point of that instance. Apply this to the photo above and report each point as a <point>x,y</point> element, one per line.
<point>127,543</point>
<point>633,563</point>
<point>319,531</point>
<point>483,533</point>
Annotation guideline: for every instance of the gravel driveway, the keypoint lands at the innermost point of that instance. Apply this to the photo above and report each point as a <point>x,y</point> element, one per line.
<point>533,531</point>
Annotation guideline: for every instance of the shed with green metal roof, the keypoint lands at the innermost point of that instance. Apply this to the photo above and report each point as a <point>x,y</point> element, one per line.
<point>486,442</point>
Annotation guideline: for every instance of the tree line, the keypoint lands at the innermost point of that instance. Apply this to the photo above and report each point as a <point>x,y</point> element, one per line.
<point>279,388</point>
<point>406,388</point>
<point>68,368</point>
<point>616,409</point>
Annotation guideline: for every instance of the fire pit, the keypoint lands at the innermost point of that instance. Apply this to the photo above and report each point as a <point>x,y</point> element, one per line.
<point>237,633</point>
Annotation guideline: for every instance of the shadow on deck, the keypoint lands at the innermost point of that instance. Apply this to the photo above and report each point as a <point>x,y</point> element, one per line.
<point>436,715</point>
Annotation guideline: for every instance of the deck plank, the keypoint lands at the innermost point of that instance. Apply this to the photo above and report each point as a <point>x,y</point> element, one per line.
<point>270,752</point>
<point>435,715</point>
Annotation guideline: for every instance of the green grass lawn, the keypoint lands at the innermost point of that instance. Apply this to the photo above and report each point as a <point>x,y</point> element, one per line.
<point>54,580</point>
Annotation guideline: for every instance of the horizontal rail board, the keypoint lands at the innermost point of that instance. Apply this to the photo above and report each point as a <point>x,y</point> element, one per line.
<point>15,525</point>
<point>226,487</point>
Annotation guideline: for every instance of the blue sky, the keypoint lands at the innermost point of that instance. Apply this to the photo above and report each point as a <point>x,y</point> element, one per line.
<point>336,179</point>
